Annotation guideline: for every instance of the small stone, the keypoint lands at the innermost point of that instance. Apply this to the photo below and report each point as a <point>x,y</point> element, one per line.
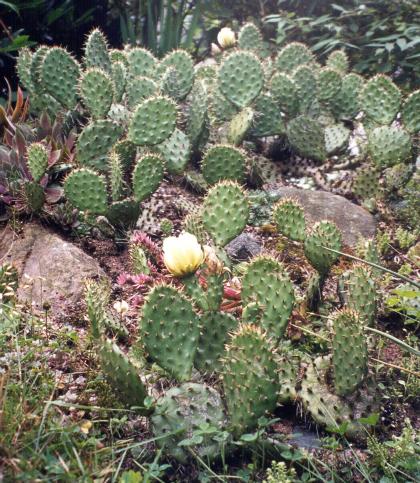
<point>244,247</point>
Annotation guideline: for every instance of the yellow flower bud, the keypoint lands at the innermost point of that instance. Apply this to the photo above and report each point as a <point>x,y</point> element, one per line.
<point>226,37</point>
<point>182,255</point>
<point>121,307</point>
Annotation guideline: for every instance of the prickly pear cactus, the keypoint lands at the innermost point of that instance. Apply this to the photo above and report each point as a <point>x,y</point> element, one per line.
<point>350,356</point>
<point>147,176</point>
<point>86,190</point>
<point>322,234</point>
<point>225,212</point>
<point>183,410</point>
<point>214,334</point>
<point>37,161</point>
<point>327,408</point>
<point>97,92</point>
<point>141,62</point>
<point>380,99</point>
<point>139,88</point>
<point>305,79</point>
<point>292,56</point>
<point>96,51</point>
<point>250,38</point>
<point>95,141</point>
<point>307,137</point>
<point>250,389</point>
<point>176,152</point>
<point>389,145</point>
<point>241,78</point>
<point>345,104</point>
<point>411,112</point>
<point>338,61</point>
<point>197,118</point>
<point>366,182</point>
<point>169,330</point>
<point>285,92</point>
<point>223,162</point>
<point>116,176</point>
<point>240,125</point>
<point>123,375</point>
<point>268,119</point>
<point>336,138</point>
<point>267,283</point>
<point>59,73</point>
<point>153,121</point>
<point>357,291</point>
<point>181,61</point>
<point>329,84</point>
<point>289,218</point>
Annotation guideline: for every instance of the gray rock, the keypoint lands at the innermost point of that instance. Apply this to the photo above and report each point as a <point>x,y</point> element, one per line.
<point>243,247</point>
<point>50,269</point>
<point>353,220</point>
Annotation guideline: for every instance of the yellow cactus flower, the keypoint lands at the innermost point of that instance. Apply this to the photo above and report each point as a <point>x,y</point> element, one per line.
<point>182,255</point>
<point>226,38</point>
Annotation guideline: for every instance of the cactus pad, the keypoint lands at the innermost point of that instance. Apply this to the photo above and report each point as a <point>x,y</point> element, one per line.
<point>338,61</point>
<point>285,92</point>
<point>97,91</point>
<point>96,51</point>
<point>214,333</point>
<point>380,99</point>
<point>86,190</point>
<point>411,112</point>
<point>336,138</point>
<point>181,411</point>
<point>350,355</point>
<point>141,63</point>
<point>291,56</point>
<point>358,293</point>
<point>289,218</point>
<point>322,234</point>
<point>139,88</point>
<point>182,62</point>
<point>329,84</point>
<point>59,74</point>
<point>37,161</point>
<point>147,176</point>
<point>153,121</point>
<point>241,78</point>
<point>306,136</point>
<point>169,330</point>
<point>388,145</point>
<point>250,389</point>
<point>122,374</point>
<point>267,283</point>
<point>225,212</point>
<point>175,152</point>
<point>95,141</point>
<point>223,162</point>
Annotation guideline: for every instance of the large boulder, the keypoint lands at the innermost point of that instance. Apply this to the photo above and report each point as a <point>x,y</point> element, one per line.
<point>50,269</point>
<point>351,219</point>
